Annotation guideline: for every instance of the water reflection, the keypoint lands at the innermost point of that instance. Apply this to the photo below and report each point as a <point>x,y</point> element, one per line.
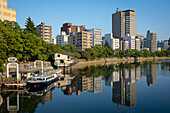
<point>121,78</point>
<point>84,84</point>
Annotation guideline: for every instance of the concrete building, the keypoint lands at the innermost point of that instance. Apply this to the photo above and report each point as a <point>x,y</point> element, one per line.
<point>113,42</point>
<point>68,27</point>
<point>45,32</point>
<point>151,41</point>
<point>6,13</point>
<point>125,45</point>
<point>124,22</point>
<point>137,44</point>
<point>97,36</point>
<point>78,36</point>
<point>141,37</point>
<point>62,39</point>
<point>163,44</point>
<point>131,42</point>
<point>83,40</point>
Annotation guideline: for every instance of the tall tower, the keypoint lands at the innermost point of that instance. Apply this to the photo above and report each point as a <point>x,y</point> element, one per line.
<point>151,41</point>
<point>124,22</point>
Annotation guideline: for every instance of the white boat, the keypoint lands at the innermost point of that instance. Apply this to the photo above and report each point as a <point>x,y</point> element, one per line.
<point>45,79</point>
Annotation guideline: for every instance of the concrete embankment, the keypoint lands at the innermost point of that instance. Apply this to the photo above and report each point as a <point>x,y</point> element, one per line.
<point>107,61</point>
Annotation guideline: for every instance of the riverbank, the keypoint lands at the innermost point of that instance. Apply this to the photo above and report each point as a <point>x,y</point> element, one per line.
<point>107,61</point>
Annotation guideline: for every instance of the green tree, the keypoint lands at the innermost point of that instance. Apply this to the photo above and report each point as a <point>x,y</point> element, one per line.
<point>85,55</point>
<point>2,67</point>
<point>107,45</point>
<point>69,48</point>
<point>30,27</point>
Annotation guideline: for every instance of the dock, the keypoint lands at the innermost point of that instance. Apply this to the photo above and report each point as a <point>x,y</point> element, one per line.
<point>15,85</point>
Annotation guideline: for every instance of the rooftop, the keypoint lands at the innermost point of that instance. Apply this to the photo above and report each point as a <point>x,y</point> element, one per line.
<point>128,10</point>
<point>69,54</point>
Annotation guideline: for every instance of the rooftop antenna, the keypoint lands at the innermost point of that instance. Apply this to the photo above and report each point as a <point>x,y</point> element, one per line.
<point>117,9</point>
<point>116,3</point>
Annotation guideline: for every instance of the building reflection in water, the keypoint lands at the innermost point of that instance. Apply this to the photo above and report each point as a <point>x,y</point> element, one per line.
<point>151,74</point>
<point>124,90</point>
<point>124,87</point>
<point>123,83</point>
<point>84,84</point>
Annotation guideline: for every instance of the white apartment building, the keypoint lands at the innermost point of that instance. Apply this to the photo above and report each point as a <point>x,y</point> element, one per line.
<point>97,36</point>
<point>125,45</point>
<point>137,44</point>
<point>130,41</point>
<point>62,39</point>
<point>113,42</point>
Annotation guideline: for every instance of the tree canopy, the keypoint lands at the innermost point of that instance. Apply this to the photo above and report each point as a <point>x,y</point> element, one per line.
<point>30,27</point>
<point>22,44</point>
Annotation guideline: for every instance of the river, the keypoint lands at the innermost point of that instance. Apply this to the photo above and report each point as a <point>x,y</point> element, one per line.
<point>122,88</point>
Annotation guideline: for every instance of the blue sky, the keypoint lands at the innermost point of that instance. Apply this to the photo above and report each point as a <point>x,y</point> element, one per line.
<point>152,15</point>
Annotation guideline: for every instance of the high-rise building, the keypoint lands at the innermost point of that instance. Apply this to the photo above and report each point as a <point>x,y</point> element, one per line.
<point>151,41</point>
<point>62,39</point>
<point>45,32</point>
<point>124,22</point>
<point>6,13</point>
<point>113,42</point>
<point>67,27</point>
<point>83,40</point>
<point>97,36</point>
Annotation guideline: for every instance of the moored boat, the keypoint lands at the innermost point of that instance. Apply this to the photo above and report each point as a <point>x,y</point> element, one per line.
<point>45,79</point>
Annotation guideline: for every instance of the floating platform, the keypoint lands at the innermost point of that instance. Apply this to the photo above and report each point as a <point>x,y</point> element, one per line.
<point>15,85</point>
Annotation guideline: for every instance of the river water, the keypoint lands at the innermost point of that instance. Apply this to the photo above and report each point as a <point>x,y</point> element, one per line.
<point>123,88</point>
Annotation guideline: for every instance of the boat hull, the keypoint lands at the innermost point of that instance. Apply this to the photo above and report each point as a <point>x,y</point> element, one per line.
<point>41,84</point>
